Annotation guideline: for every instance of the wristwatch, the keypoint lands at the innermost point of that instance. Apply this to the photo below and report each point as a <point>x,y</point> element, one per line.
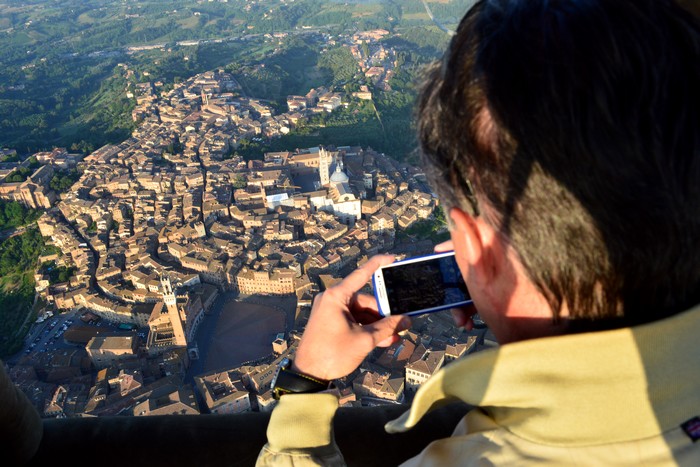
<point>287,381</point>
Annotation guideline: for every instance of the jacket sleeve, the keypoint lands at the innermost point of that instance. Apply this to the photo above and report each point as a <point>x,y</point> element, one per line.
<point>300,432</point>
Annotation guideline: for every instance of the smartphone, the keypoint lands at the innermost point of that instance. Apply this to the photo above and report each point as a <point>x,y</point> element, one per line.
<point>420,285</point>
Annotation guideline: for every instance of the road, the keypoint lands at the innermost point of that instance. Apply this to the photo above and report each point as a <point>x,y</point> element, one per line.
<point>46,336</point>
<point>13,232</point>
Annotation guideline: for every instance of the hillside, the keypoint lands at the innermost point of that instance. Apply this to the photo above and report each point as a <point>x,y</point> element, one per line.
<point>64,83</point>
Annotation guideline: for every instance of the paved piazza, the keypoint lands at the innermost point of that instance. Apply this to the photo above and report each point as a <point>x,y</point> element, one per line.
<point>244,332</point>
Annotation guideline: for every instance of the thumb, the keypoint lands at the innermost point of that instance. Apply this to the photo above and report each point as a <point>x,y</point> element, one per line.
<point>444,246</point>
<point>384,331</point>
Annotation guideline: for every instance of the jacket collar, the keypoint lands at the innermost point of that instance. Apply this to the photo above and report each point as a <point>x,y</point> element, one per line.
<point>579,389</point>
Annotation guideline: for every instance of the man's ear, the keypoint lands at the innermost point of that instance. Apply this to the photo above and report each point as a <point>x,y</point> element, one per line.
<point>476,243</point>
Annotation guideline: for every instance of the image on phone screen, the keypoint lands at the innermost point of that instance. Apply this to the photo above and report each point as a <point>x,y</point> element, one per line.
<point>423,285</point>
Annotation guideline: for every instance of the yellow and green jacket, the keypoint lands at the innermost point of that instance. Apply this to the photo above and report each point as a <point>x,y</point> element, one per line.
<point>624,397</point>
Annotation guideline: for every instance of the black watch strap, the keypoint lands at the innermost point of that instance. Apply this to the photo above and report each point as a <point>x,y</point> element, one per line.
<point>287,381</point>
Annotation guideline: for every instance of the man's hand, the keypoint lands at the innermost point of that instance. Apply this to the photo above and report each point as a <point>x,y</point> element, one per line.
<point>345,326</point>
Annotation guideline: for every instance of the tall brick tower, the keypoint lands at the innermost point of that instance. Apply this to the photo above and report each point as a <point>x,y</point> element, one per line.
<point>170,301</point>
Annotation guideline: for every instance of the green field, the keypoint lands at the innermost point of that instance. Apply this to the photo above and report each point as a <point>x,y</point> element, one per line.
<point>60,84</point>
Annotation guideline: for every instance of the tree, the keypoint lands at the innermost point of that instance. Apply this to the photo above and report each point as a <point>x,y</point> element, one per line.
<point>19,175</point>
<point>14,212</point>
<point>239,181</point>
<point>365,49</point>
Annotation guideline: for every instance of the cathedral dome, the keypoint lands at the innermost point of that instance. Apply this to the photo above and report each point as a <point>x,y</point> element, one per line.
<point>339,176</point>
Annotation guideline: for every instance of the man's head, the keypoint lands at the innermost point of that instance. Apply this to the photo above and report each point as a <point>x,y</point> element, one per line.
<point>577,124</point>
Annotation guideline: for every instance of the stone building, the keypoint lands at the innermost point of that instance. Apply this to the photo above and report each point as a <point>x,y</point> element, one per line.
<point>275,282</point>
<point>105,351</point>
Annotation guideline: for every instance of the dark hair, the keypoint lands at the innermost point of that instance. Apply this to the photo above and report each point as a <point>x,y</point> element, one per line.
<point>577,122</point>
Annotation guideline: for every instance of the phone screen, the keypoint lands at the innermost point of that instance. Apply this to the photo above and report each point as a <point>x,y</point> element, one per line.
<point>434,283</point>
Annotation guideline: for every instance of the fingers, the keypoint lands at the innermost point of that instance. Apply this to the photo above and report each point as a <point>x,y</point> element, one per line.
<point>388,341</point>
<point>384,332</point>
<point>359,277</point>
<point>366,301</point>
<point>364,309</point>
<point>365,316</point>
<point>463,316</point>
<point>444,246</point>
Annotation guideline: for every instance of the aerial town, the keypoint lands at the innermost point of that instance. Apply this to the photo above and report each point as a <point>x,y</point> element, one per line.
<point>163,228</point>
